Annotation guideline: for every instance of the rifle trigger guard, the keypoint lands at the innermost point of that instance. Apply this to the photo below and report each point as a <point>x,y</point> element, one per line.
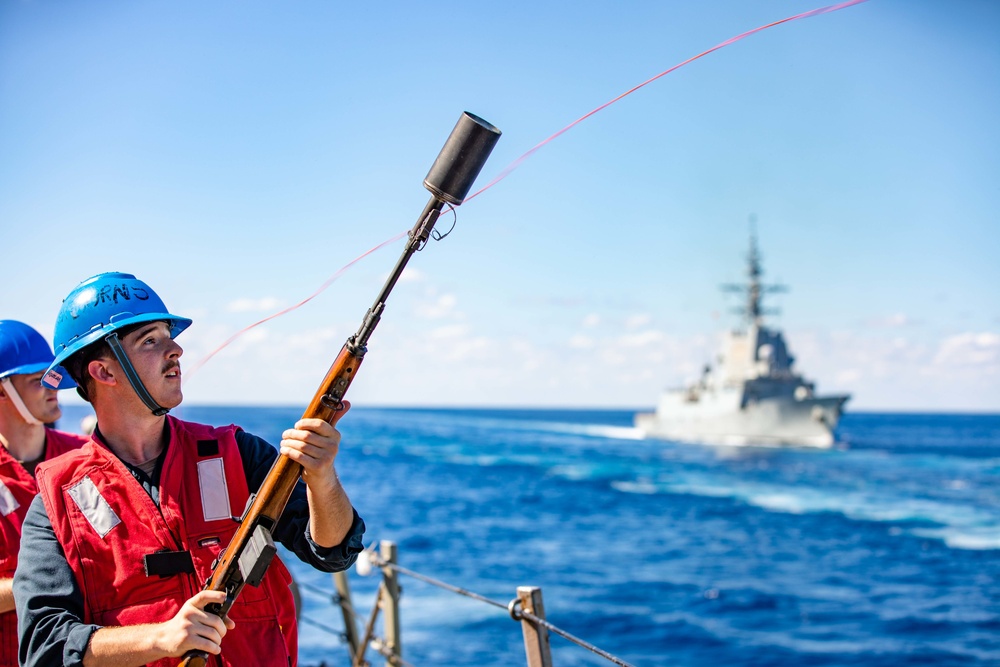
<point>332,402</point>
<point>222,609</point>
<point>230,600</point>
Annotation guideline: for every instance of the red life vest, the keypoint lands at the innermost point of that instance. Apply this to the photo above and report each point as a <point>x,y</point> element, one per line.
<point>17,488</point>
<point>106,524</point>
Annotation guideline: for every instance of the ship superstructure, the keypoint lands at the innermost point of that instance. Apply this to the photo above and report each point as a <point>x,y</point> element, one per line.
<point>752,395</point>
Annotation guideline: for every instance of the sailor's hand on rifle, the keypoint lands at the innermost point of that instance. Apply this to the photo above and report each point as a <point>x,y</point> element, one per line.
<point>313,444</point>
<point>193,628</point>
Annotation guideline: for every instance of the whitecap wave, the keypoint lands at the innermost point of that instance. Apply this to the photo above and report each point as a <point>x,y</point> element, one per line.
<point>958,526</point>
<point>984,539</point>
<point>593,430</point>
<point>644,488</point>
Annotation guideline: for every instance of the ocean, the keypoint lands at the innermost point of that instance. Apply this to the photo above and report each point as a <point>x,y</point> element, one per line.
<point>884,550</point>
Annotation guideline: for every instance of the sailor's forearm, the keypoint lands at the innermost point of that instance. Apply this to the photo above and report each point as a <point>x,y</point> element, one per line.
<point>330,513</point>
<point>122,647</point>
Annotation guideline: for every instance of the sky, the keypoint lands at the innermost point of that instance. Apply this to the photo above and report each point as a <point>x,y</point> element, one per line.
<point>236,155</point>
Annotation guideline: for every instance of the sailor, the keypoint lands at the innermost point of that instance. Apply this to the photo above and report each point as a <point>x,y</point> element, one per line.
<point>124,532</point>
<point>25,409</point>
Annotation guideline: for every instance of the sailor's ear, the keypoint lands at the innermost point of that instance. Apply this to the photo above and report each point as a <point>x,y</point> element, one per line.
<point>101,371</point>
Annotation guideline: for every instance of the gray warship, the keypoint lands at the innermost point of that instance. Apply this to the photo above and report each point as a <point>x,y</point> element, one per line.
<point>752,396</point>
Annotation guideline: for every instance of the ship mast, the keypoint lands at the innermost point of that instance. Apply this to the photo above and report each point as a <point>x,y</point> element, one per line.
<point>753,312</point>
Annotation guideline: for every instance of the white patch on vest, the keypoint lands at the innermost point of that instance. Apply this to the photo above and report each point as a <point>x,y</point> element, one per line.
<point>94,506</point>
<point>8,503</point>
<point>214,492</point>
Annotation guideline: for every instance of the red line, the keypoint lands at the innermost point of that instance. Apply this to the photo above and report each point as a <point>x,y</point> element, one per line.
<point>312,296</point>
<point>517,163</point>
<point>732,40</point>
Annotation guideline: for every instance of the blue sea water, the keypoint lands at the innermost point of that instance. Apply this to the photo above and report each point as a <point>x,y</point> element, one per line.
<point>882,551</point>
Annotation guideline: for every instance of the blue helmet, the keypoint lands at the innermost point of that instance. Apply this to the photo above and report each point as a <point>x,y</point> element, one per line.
<point>98,308</point>
<point>24,351</point>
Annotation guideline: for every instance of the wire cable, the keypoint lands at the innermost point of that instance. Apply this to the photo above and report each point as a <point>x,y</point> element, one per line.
<point>512,608</point>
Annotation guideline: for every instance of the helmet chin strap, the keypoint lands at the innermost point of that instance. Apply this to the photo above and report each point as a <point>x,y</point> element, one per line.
<point>133,377</point>
<point>15,398</point>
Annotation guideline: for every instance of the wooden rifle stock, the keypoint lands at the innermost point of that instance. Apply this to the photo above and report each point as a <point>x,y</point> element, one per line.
<point>269,502</point>
<point>248,555</point>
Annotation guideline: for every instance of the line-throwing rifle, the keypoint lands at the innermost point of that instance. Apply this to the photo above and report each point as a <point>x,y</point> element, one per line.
<point>251,550</point>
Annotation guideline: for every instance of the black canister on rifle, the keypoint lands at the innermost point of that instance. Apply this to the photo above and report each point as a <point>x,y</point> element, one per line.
<point>463,156</point>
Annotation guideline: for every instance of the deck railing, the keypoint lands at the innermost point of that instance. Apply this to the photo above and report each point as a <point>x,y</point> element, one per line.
<point>527,608</point>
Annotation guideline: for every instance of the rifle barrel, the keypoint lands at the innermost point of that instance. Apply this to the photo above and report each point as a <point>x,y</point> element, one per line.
<point>449,180</point>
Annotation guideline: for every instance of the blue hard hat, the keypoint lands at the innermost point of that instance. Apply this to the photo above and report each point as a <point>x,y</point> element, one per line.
<point>24,351</point>
<point>104,304</point>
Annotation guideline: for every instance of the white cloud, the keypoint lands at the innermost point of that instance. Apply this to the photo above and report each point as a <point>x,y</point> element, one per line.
<point>636,321</point>
<point>451,331</point>
<point>468,348</point>
<point>892,366</point>
<point>441,307</point>
<point>848,376</point>
<point>970,349</point>
<point>642,338</point>
<point>411,275</point>
<point>958,372</point>
<point>254,336</point>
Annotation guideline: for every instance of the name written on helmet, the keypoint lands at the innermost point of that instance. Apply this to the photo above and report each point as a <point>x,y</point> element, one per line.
<point>53,378</point>
<point>112,292</point>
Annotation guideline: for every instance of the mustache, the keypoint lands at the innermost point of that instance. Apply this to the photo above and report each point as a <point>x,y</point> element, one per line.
<point>170,365</point>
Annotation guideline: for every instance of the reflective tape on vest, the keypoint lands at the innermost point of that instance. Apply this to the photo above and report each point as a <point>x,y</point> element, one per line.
<point>93,505</point>
<point>214,492</point>
<point>8,503</point>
